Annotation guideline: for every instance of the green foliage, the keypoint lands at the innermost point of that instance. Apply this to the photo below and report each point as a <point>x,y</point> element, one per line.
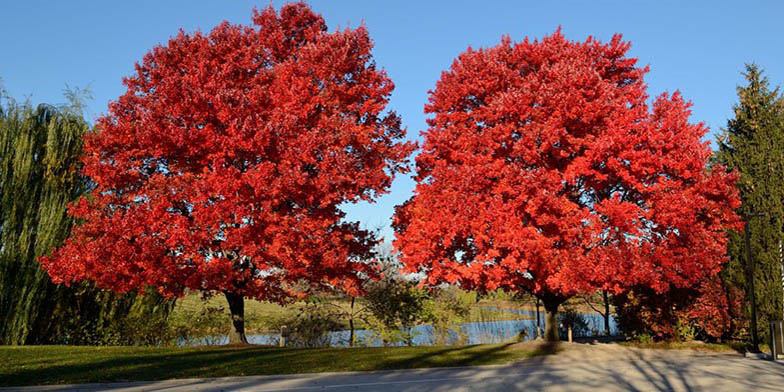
<point>206,325</point>
<point>469,297</point>
<point>390,335</point>
<point>753,144</point>
<point>444,310</point>
<point>133,330</point>
<point>571,317</point>
<point>107,319</point>
<point>685,330</point>
<point>309,325</point>
<point>39,150</point>
<point>396,306</point>
<point>642,338</point>
<point>497,295</point>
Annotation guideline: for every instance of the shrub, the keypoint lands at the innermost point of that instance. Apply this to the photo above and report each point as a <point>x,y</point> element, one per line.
<point>643,338</point>
<point>702,311</point>
<point>208,325</point>
<point>143,322</point>
<point>309,325</point>
<point>444,311</point>
<point>570,317</point>
<point>396,306</point>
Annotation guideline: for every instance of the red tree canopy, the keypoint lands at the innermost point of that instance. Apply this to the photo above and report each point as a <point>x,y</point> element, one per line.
<point>224,164</point>
<point>545,170</point>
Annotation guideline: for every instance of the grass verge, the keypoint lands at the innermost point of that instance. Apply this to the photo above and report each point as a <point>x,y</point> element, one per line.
<point>696,345</point>
<point>38,365</point>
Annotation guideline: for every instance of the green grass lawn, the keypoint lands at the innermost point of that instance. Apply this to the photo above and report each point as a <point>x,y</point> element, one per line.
<point>36,365</point>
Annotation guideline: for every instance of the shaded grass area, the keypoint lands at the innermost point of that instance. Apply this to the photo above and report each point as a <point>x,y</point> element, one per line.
<point>37,365</point>
<point>695,345</point>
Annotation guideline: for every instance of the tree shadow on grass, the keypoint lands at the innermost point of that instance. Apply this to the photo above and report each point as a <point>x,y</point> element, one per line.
<point>474,355</point>
<point>624,369</point>
<point>251,360</point>
<point>146,366</point>
<point>453,356</point>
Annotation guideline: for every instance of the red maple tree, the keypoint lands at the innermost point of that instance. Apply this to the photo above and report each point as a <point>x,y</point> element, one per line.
<point>223,166</point>
<point>544,170</point>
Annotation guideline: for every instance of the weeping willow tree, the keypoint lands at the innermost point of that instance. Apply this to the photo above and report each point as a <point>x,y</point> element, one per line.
<point>39,153</point>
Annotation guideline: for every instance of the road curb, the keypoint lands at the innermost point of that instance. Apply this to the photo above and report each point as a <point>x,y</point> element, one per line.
<point>764,356</point>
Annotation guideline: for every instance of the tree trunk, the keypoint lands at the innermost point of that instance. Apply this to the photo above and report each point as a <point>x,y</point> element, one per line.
<point>538,322</point>
<point>237,309</point>
<point>351,324</point>
<point>728,297</point>
<point>606,313</point>
<point>551,320</point>
<point>351,334</point>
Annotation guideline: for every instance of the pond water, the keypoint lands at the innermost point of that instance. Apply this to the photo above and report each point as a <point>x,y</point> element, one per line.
<point>485,332</point>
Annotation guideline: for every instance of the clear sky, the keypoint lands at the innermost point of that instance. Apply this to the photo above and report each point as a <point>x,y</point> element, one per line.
<point>698,48</point>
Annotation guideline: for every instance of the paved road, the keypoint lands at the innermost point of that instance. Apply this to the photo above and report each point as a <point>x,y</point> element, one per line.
<point>604,367</point>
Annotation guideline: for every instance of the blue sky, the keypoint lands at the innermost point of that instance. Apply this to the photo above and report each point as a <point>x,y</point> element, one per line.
<point>698,48</point>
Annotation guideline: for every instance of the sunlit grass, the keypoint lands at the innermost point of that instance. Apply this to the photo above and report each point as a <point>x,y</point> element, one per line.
<point>33,365</point>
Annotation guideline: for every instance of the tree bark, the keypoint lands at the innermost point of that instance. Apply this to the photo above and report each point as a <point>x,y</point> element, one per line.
<point>538,322</point>
<point>551,319</point>
<point>237,309</point>
<point>351,324</point>
<point>606,313</point>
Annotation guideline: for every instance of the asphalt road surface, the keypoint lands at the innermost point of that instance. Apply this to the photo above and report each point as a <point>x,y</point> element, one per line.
<point>582,367</point>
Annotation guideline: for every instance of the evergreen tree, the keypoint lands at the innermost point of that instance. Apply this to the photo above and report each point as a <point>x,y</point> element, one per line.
<point>39,148</point>
<point>753,144</point>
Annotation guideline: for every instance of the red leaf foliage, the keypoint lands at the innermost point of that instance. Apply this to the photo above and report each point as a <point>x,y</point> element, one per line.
<point>710,310</point>
<point>544,169</point>
<point>223,166</point>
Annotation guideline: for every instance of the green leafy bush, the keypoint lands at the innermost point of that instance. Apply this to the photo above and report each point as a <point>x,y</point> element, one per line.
<point>208,325</point>
<point>444,311</point>
<point>569,317</point>
<point>308,325</point>
<point>396,306</point>
<point>643,338</point>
